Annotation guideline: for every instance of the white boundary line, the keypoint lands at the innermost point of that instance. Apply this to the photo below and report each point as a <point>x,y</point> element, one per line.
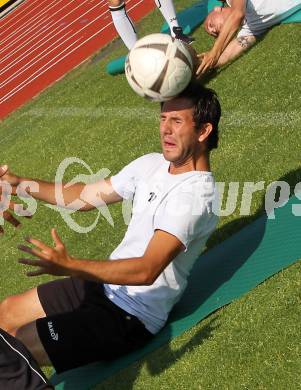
<point>37,72</point>
<point>29,51</point>
<point>9,48</point>
<point>28,65</point>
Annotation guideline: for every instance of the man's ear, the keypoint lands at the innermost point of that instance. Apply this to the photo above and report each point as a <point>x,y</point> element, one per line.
<point>205,131</point>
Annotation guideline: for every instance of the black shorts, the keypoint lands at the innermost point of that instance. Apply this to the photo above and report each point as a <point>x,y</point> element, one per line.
<point>83,326</point>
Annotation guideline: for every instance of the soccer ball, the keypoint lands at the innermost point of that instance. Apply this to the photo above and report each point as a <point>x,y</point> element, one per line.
<point>159,67</point>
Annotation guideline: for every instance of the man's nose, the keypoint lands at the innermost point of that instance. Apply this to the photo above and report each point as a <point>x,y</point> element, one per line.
<point>166,127</point>
<point>212,31</point>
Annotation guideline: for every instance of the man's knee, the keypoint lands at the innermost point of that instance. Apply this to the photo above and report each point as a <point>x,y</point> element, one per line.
<point>21,309</point>
<point>115,3</point>
<point>6,316</point>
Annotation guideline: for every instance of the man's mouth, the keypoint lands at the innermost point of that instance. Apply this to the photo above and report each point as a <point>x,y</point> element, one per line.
<point>169,144</point>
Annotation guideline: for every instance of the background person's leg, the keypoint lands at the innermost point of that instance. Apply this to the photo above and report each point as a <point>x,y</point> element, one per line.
<point>123,23</point>
<point>168,11</point>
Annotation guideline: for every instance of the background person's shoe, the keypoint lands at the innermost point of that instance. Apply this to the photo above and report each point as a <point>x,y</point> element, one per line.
<point>178,33</point>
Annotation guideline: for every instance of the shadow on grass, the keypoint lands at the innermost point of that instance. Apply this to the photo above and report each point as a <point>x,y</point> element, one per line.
<point>227,230</point>
<point>155,364</point>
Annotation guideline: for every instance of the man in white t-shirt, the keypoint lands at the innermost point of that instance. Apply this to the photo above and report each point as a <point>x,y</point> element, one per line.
<point>104,309</point>
<point>253,17</point>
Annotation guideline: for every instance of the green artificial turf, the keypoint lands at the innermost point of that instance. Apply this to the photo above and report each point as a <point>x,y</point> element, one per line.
<point>252,343</point>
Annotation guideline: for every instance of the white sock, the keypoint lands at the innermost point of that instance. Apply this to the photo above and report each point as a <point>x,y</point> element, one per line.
<point>168,11</point>
<point>124,25</point>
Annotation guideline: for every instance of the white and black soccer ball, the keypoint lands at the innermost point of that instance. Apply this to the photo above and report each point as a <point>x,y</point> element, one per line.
<point>159,67</point>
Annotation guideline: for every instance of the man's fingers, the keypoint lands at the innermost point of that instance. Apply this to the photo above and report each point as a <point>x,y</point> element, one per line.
<point>200,58</point>
<point>207,62</point>
<point>33,262</point>
<point>200,70</point>
<point>33,252</point>
<point>42,270</point>
<point>36,273</point>
<point>11,219</point>
<point>56,238</point>
<point>203,68</point>
<point>39,244</point>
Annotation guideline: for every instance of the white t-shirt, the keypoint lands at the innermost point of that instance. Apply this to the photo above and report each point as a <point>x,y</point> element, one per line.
<point>263,14</point>
<point>178,204</point>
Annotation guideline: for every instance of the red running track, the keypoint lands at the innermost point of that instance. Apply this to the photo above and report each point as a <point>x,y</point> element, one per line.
<point>41,40</point>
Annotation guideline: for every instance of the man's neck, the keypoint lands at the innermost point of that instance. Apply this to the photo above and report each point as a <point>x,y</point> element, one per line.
<point>202,163</point>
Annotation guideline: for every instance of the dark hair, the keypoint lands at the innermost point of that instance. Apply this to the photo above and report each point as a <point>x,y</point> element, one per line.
<point>207,109</point>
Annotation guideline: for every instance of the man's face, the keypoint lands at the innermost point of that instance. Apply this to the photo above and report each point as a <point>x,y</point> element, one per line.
<point>179,138</point>
<point>215,20</point>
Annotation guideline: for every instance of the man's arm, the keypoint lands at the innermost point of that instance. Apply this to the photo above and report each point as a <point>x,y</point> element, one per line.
<point>232,24</point>
<point>78,196</point>
<point>161,250</point>
<point>236,48</point>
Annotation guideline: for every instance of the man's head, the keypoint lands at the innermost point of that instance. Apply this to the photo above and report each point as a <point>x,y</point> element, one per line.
<point>189,123</point>
<point>216,19</point>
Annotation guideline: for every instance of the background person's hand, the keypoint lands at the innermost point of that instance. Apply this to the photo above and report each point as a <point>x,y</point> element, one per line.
<point>207,61</point>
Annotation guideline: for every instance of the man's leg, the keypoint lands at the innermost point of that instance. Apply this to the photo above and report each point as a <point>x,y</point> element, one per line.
<point>17,316</point>
<point>18,313</point>
<point>19,310</point>
<point>123,23</point>
<point>81,325</point>
<point>28,335</point>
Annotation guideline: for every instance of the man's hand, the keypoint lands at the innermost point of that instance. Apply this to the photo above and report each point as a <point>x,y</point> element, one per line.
<point>6,175</point>
<point>13,180</point>
<point>208,60</point>
<point>52,261</point>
